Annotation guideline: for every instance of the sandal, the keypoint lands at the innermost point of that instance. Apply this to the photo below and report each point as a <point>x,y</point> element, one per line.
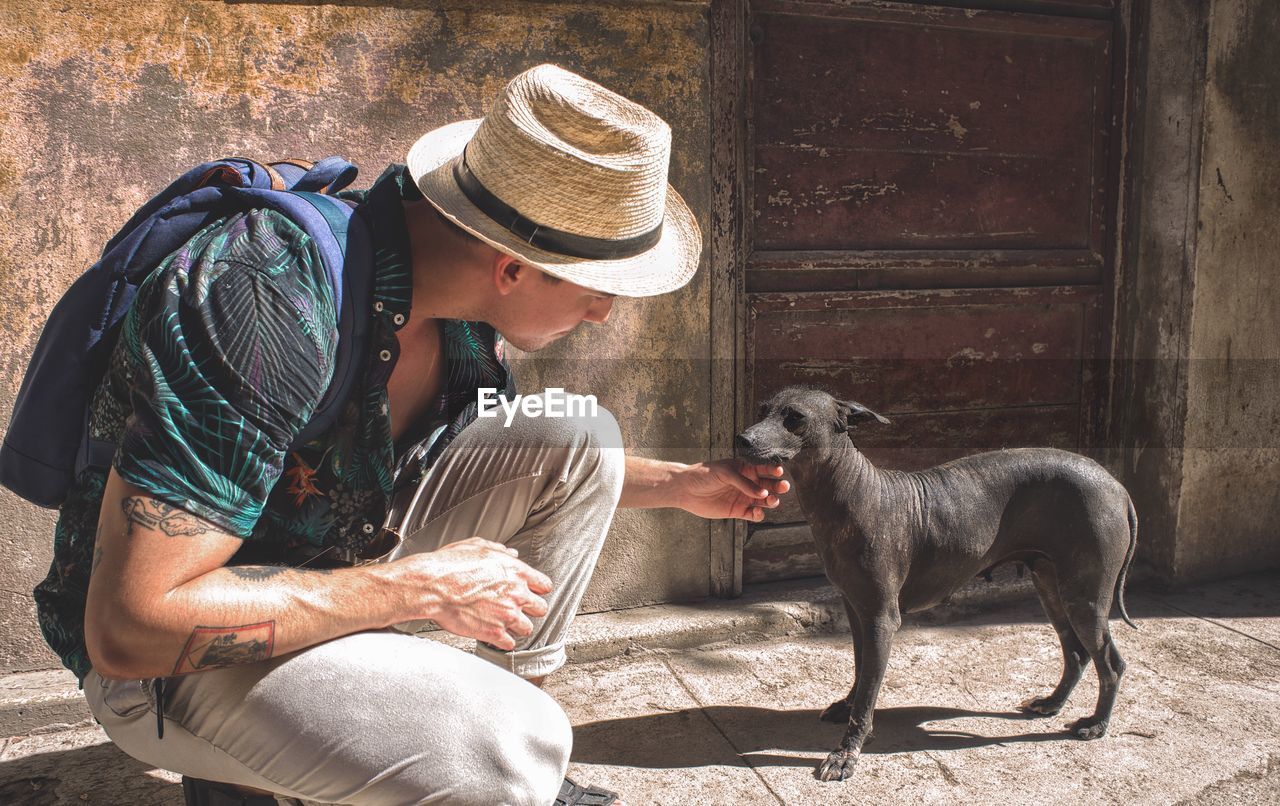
<point>571,794</point>
<point>198,792</point>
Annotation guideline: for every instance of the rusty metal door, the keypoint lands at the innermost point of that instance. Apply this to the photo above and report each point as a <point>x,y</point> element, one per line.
<point>928,196</point>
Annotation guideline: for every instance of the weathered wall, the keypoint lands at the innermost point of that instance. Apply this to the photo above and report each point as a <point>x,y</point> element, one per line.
<point>1153,315</point>
<point>1230,518</point>
<point>100,104</point>
<point>1201,305</point>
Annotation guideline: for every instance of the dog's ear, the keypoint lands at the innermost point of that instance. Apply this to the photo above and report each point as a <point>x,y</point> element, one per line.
<point>854,413</point>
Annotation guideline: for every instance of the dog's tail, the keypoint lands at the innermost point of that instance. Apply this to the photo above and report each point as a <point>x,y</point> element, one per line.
<point>1128,560</point>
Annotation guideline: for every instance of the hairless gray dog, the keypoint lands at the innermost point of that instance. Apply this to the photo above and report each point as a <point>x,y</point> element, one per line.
<point>896,542</point>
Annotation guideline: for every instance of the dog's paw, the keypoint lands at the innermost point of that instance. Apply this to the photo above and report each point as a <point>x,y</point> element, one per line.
<point>1041,706</point>
<point>837,766</point>
<point>837,712</point>
<point>1088,728</point>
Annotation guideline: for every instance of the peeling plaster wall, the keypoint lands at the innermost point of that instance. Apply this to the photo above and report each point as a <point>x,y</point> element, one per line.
<point>1230,518</point>
<point>101,103</point>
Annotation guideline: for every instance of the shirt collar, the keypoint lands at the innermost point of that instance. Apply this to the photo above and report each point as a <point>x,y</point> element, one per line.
<point>393,255</point>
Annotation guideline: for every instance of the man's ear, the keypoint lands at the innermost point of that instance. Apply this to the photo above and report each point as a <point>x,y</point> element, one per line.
<point>508,272</point>
<point>854,413</point>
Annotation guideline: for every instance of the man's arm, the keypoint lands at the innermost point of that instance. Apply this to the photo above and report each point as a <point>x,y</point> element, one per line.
<point>162,603</point>
<point>727,488</point>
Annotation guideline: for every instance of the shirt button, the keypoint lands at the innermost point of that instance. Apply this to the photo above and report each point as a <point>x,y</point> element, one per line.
<point>377,306</point>
<point>385,355</point>
<point>398,319</point>
<point>368,528</point>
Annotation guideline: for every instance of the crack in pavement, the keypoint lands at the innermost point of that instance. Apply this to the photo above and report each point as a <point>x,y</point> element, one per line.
<point>1217,623</point>
<point>702,709</point>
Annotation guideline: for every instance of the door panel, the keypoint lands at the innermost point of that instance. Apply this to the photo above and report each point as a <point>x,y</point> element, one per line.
<point>928,194</point>
<point>882,130</point>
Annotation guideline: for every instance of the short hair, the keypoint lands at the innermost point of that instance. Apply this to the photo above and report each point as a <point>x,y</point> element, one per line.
<point>469,241</point>
<point>456,232</point>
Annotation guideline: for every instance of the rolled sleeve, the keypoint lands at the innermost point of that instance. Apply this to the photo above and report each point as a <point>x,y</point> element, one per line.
<point>230,345</point>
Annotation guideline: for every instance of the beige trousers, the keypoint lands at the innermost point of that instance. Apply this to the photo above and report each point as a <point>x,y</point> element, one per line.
<point>384,717</point>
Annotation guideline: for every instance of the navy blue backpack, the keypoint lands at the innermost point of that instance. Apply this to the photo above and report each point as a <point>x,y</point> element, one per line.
<point>48,443</point>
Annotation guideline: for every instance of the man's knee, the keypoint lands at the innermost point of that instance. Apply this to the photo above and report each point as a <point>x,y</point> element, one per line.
<point>590,432</point>
<point>603,438</point>
<point>519,756</point>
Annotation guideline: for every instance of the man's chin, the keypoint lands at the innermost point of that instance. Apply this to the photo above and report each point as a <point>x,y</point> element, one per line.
<point>532,345</point>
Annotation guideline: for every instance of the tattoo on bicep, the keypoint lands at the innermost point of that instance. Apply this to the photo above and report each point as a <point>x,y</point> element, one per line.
<point>152,514</point>
<point>215,647</point>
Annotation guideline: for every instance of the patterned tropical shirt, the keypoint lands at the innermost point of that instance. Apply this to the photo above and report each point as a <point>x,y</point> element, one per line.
<point>222,359</point>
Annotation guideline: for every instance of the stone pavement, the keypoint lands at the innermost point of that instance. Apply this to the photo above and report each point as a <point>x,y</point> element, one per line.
<point>666,721</point>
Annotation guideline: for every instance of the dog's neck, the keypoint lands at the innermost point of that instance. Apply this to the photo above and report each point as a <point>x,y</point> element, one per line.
<point>841,474</point>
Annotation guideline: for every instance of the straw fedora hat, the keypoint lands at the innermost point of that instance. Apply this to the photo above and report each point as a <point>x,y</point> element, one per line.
<point>569,177</point>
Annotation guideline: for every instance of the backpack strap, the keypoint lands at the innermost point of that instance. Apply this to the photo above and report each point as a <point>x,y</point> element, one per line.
<point>350,230</point>
<point>329,175</point>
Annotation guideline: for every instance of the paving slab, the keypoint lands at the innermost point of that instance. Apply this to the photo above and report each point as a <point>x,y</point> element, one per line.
<point>1200,706</point>
<point>642,690</point>
<point>1197,722</point>
<point>34,700</point>
<point>79,765</point>
<point>1248,604</point>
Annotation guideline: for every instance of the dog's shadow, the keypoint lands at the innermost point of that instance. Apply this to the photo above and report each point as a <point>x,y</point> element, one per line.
<point>693,737</point>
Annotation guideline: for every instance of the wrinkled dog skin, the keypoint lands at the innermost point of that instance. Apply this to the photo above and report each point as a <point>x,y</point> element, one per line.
<point>896,543</point>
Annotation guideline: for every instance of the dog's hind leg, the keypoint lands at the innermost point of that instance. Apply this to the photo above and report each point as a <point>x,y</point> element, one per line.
<point>1088,603</point>
<point>877,640</point>
<point>1074,655</point>
<point>838,711</point>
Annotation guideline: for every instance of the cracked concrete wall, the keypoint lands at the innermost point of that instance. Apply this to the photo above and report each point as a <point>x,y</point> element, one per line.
<point>102,102</point>
<point>1230,503</point>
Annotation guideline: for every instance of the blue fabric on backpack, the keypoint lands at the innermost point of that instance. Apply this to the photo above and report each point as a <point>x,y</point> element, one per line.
<point>47,443</point>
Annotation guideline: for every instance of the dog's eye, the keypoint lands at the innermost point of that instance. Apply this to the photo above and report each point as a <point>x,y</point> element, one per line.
<point>792,419</point>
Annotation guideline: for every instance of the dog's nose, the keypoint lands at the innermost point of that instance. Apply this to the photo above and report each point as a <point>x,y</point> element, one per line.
<point>743,444</point>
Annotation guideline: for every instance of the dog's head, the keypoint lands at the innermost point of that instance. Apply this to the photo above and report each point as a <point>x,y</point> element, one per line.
<point>800,419</point>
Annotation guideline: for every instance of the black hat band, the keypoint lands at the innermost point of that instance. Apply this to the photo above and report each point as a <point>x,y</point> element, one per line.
<point>548,238</point>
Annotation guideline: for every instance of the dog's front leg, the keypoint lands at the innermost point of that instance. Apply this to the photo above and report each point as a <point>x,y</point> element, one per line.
<point>877,640</point>
<point>839,710</point>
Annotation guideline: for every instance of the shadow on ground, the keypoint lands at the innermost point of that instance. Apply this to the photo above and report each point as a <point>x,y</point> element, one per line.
<point>764,736</point>
<point>77,776</point>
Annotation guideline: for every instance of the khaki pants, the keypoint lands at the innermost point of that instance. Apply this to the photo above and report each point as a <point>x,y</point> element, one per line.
<point>386,718</point>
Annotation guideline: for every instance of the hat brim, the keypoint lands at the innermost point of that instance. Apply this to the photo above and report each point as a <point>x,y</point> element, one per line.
<point>668,265</point>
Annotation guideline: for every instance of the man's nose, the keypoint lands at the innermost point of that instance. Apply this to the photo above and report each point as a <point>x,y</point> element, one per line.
<point>598,312</point>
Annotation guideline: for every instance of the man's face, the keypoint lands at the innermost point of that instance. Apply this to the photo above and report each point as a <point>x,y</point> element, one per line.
<point>540,310</point>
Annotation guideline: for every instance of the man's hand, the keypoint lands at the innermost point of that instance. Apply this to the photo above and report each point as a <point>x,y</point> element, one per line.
<point>477,589</point>
<point>731,488</point>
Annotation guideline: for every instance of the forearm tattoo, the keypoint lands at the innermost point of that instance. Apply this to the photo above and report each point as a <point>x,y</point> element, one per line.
<point>255,573</point>
<point>152,514</point>
<point>215,647</point>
